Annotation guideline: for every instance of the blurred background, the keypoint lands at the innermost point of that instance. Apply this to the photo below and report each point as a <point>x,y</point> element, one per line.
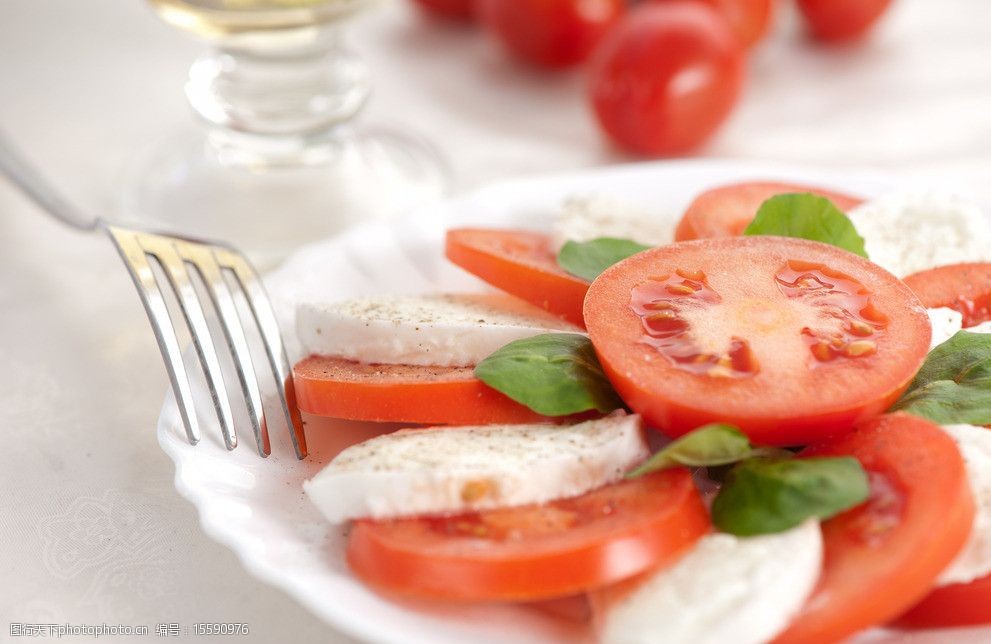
<point>93,92</point>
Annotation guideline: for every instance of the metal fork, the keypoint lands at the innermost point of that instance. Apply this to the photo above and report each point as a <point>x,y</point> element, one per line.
<point>177,257</point>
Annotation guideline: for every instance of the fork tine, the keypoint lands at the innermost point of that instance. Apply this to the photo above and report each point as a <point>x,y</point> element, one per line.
<point>164,250</point>
<point>202,260</point>
<point>151,297</point>
<point>261,309</point>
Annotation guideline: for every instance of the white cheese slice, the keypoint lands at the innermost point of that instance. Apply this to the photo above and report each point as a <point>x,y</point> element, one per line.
<point>945,322</point>
<point>910,232</point>
<point>445,470</point>
<point>585,218</point>
<point>457,330</point>
<point>974,561</point>
<point>726,589</point>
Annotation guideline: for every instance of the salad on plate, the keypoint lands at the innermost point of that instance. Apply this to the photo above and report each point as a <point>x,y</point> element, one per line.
<point>762,422</point>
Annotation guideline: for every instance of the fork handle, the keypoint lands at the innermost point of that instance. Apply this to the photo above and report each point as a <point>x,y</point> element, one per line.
<point>20,171</point>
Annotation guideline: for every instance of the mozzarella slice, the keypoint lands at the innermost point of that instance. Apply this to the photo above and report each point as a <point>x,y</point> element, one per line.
<point>458,469</point>
<point>585,218</point>
<point>431,330</point>
<point>727,589</point>
<point>974,561</point>
<point>910,232</point>
<point>945,322</point>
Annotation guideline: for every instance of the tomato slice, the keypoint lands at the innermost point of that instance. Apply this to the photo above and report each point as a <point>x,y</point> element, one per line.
<point>534,551</point>
<point>402,393</point>
<point>791,340</point>
<point>962,287</point>
<point>727,210</point>
<point>954,605</point>
<point>883,555</point>
<point>521,263</point>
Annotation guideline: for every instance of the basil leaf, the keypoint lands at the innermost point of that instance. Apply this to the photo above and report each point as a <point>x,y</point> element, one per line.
<point>554,374</point>
<point>954,384</point>
<point>762,496</point>
<point>715,444</point>
<point>807,216</point>
<point>588,259</point>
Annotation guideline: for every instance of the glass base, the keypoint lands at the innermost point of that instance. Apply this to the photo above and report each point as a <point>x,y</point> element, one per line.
<point>269,201</point>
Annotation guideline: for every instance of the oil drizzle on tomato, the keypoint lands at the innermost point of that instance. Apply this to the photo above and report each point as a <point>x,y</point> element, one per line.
<point>851,323</point>
<point>660,302</point>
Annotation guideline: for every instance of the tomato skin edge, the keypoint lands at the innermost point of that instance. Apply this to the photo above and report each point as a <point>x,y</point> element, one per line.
<point>456,402</point>
<point>769,431</point>
<point>966,604</point>
<point>902,565</point>
<point>558,293</point>
<point>588,566</point>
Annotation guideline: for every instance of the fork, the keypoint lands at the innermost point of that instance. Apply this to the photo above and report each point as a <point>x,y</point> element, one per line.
<point>178,258</point>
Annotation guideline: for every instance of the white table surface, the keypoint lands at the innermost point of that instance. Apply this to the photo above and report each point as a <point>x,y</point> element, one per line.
<point>91,529</point>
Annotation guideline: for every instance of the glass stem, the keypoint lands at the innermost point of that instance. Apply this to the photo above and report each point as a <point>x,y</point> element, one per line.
<point>268,107</point>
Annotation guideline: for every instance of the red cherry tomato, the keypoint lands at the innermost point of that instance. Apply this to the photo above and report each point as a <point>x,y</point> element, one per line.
<point>750,19</point>
<point>451,9</point>
<point>791,340</point>
<point>666,77</point>
<point>550,33</point>
<point>841,20</point>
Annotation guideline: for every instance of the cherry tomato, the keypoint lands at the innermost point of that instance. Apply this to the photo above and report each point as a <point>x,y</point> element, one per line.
<point>750,19</point>
<point>463,10</point>
<point>550,33</point>
<point>402,393</point>
<point>883,555</point>
<point>521,263</point>
<point>727,210</point>
<point>962,287</point>
<point>666,77</point>
<point>953,605</point>
<point>534,551</point>
<point>841,20</point>
<point>791,340</point>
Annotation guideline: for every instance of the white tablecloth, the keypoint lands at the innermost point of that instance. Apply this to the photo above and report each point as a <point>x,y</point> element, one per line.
<point>91,529</point>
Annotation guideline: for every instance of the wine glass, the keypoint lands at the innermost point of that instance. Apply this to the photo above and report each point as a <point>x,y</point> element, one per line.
<point>281,161</point>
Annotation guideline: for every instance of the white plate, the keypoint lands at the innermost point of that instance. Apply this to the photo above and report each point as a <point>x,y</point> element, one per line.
<point>256,506</point>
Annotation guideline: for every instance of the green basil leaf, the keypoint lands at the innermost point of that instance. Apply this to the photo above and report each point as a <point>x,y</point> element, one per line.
<point>709,445</point>
<point>954,384</point>
<point>554,374</point>
<point>761,496</point>
<point>588,259</point>
<point>807,216</point>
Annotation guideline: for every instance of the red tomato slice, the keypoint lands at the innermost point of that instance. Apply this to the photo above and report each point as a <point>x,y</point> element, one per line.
<point>534,551</point>
<point>883,556</point>
<point>841,20</point>
<point>791,340</point>
<point>962,287</point>
<point>725,211</point>
<point>402,394</point>
<point>521,263</point>
<point>953,605</point>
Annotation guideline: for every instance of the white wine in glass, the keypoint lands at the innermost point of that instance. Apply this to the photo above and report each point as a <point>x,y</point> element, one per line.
<point>281,161</point>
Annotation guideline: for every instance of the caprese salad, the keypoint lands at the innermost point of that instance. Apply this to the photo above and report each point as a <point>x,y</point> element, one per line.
<point>763,423</point>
